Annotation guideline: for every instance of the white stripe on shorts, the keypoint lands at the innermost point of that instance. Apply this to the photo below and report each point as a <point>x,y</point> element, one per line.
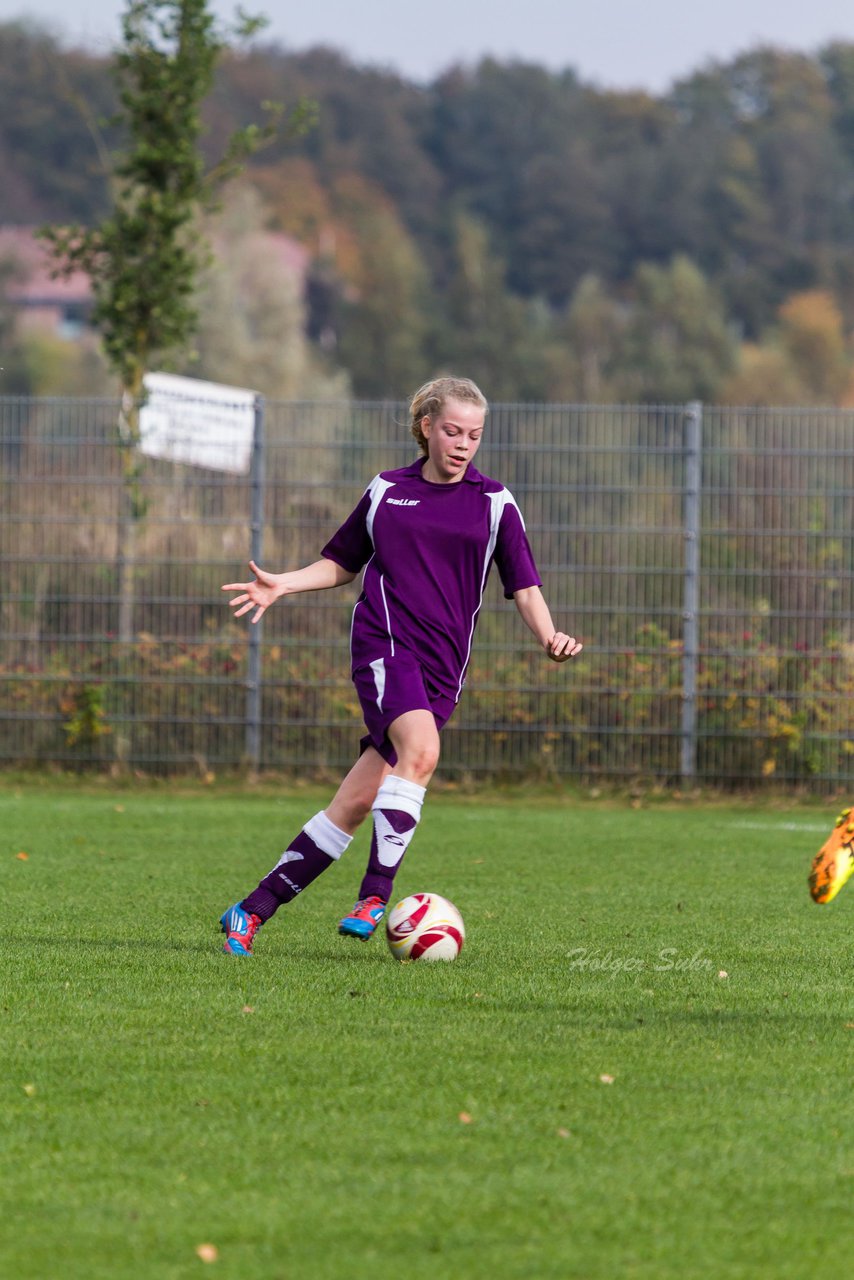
<point>378,668</point>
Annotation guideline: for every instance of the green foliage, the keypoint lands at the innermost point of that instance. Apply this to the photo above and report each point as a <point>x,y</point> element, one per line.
<point>86,723</point>
<point>498,338</point>
<point>588,340</point>
<point>740,172</point>
<point>40,363</point>
<point>515,145</point>
<point>764,712</point>
<point>386,308</point>
<point>251,326</point>
<point>51,102</point>
<point>676,345</point>
<point>14,379</point>
<point>144,258</point>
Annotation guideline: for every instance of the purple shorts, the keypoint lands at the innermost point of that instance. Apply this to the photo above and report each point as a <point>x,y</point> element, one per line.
<point>389,687</point>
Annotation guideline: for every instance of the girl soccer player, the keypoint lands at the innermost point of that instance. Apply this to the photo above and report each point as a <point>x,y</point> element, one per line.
<point>426,536</point>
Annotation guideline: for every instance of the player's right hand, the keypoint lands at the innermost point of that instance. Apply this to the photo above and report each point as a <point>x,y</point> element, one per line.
<point>258,594</point>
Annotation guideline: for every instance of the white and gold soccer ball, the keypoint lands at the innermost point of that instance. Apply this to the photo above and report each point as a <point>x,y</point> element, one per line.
<point>425,926</point>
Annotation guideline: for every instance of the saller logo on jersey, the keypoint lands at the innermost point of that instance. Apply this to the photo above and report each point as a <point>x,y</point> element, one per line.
<point>403,502</point>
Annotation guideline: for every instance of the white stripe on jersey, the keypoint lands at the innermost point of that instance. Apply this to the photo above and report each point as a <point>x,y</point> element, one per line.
<point>387,614</point>
<point>497,502</point>
<point>377,489</point>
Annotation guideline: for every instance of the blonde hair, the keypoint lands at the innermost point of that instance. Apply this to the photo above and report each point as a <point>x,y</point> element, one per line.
<point>430,400</point>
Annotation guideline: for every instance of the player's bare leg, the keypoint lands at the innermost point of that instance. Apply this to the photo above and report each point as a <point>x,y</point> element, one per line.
<point>320,843</point>
<point>397,809</point>
<point>352,802</point>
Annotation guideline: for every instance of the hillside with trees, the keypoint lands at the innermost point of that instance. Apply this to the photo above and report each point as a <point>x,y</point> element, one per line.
<point>555,240</point>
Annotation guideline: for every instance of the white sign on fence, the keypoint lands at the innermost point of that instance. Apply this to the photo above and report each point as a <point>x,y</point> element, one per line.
<point>204,424</point>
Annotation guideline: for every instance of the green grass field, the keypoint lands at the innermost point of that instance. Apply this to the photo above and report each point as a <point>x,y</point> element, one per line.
<point>640,1066</point>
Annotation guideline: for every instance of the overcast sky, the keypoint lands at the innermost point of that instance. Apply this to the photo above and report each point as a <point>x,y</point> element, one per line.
<point>612,43</point>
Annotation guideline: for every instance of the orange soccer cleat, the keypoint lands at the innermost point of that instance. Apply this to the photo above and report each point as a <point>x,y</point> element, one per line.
<point>834,862</point>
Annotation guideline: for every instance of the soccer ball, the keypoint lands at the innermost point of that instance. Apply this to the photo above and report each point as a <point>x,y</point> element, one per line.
<point>425,926</point>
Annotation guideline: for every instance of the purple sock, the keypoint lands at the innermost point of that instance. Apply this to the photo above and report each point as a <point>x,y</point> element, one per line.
<point>318,845</point>
<point>395,828</point>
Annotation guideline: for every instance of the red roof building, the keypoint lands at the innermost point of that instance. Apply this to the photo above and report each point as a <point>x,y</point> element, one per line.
<point>61,305</point>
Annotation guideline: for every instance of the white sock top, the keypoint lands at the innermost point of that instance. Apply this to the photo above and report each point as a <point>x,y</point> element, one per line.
<point>401,794</point>
<point>329,839</point>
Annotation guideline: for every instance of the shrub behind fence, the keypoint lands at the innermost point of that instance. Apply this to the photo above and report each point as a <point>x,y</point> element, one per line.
<point>704,557</point>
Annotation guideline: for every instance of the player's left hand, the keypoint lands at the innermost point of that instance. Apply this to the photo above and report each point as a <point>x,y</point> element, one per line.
<point>562,646</point>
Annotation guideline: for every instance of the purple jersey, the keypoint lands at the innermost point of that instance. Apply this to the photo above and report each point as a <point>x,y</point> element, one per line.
<point>427,550</point>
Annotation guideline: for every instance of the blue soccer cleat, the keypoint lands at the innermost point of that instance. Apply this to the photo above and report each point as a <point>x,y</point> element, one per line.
<point>239,927</point>
<point>363,919</point>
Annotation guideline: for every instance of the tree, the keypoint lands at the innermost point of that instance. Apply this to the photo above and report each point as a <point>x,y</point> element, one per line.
<point>763,376</point>
<point>588,337</point>
<point>803,359</point>
<point>484,329</point>
<point>813,338</point>
<point>252,323</point>
<point>13,374</point>
<point>144,257</point>
<point>676,345</point>
<point>48,100</point>
<point>383,312</point>
<point>514,146</point>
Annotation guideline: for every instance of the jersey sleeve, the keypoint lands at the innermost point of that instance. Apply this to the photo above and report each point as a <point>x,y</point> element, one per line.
<point>351,546</point>
<point>514,558</point>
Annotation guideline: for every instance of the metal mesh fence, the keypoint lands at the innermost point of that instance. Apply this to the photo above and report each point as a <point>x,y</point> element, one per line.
<point>705,558</point>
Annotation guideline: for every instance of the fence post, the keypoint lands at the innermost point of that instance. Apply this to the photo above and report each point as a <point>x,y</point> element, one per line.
<point>253,673</point>
<point>692,448</point>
